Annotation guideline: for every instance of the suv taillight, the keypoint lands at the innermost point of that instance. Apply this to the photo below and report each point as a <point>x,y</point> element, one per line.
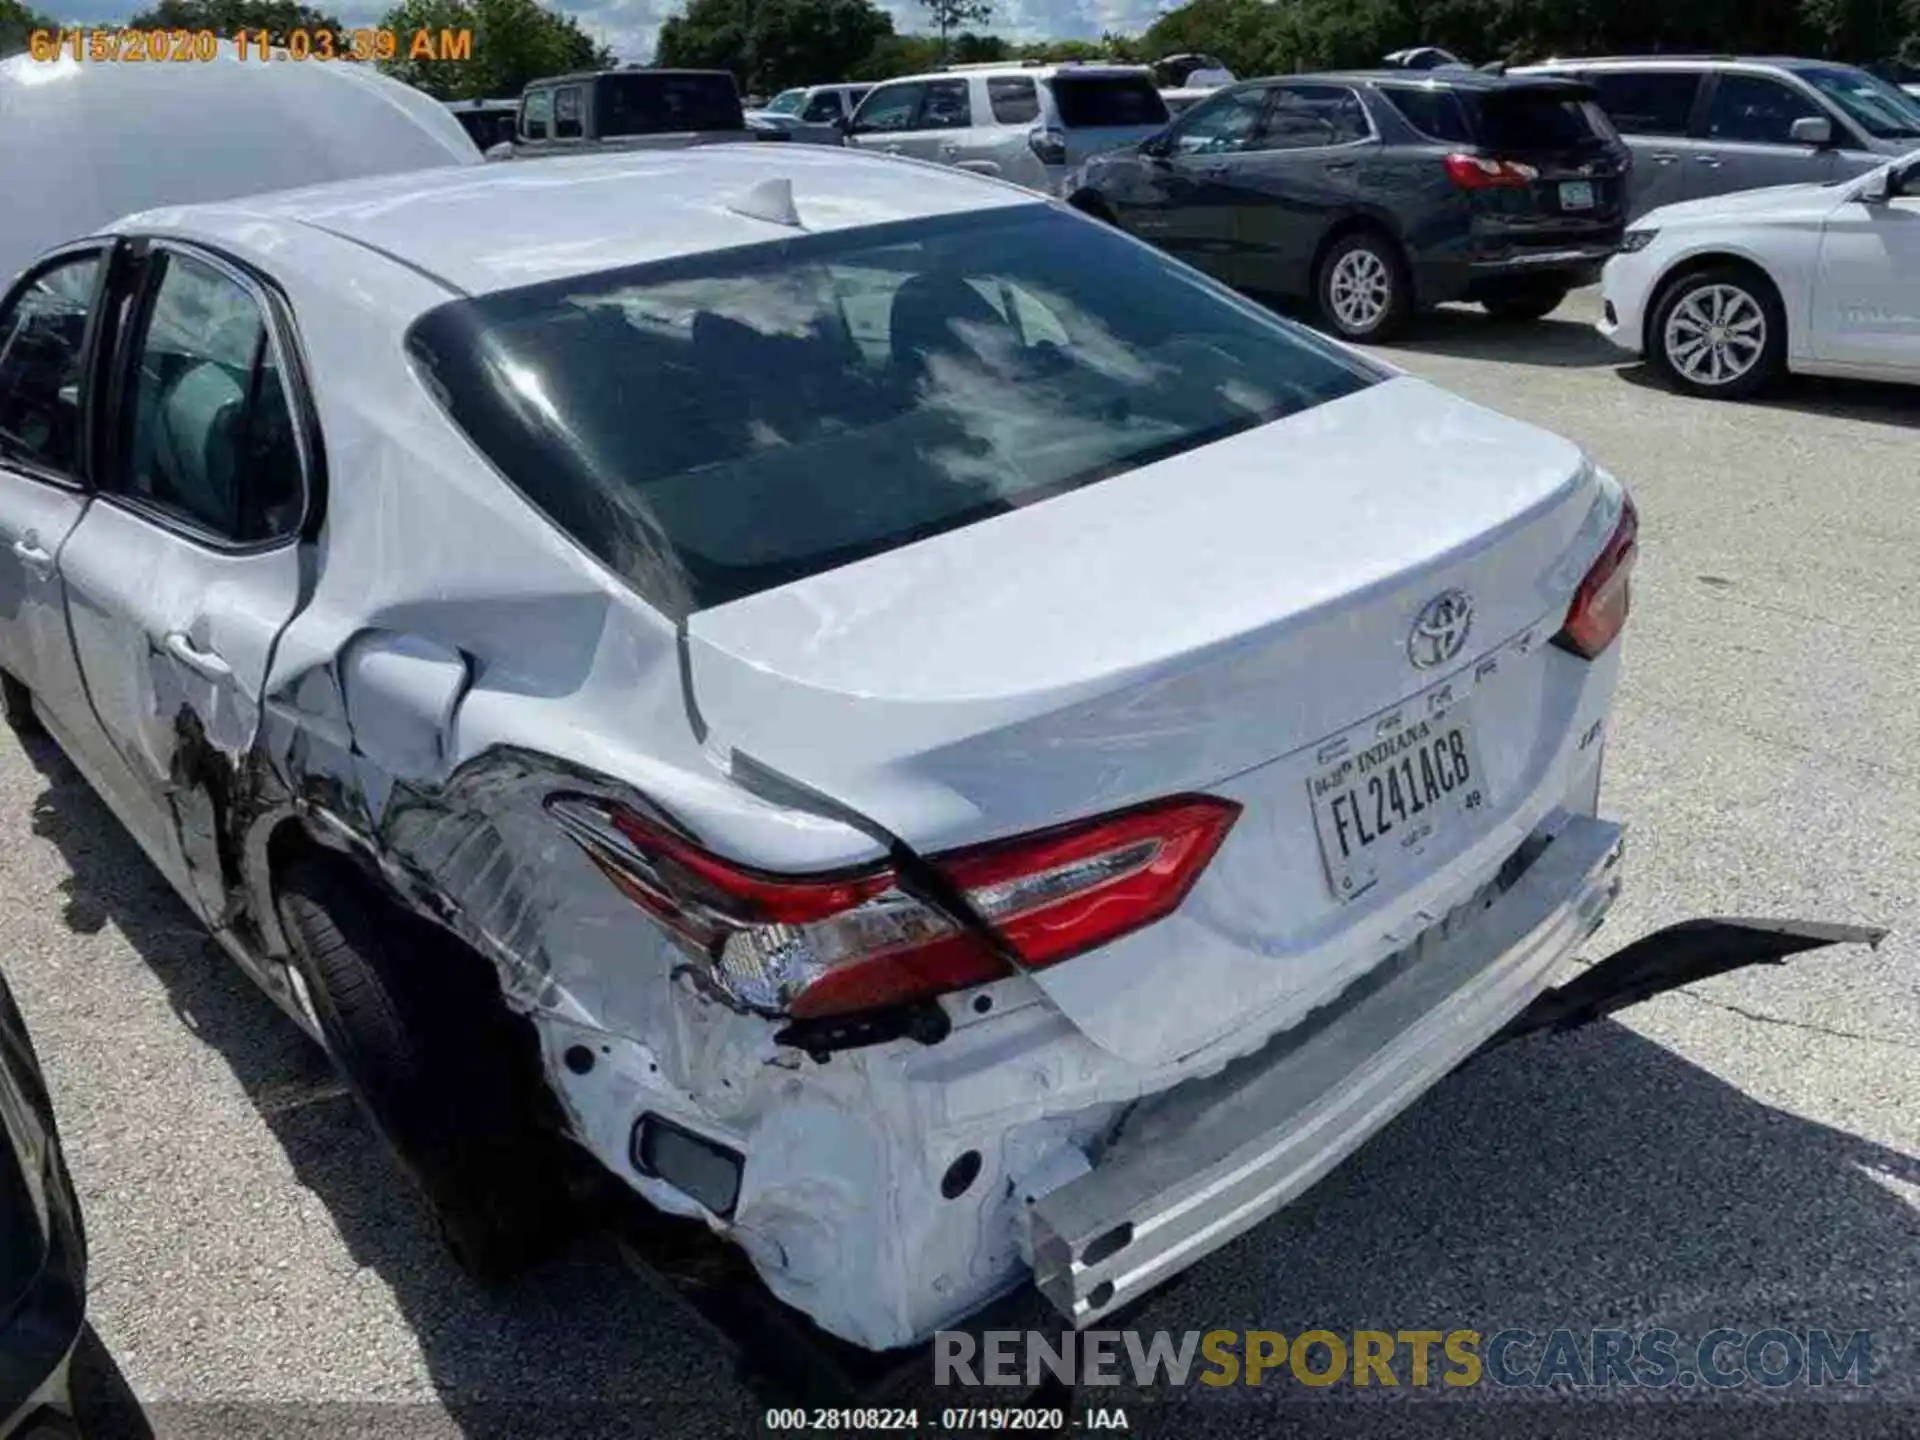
<point>816,945</point>
<point>1599,607</point>
<point>1477,172</point>
<point>1049,146</point>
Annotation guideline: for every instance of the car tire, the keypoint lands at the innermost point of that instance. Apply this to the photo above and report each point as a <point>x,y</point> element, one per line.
<point>1525,302</point>
<point>415,1026</point>
<point>1688,303</point>
<point>16,702</point>
<point>1363,290</point>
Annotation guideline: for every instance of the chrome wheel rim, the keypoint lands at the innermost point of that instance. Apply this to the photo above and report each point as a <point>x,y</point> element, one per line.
<point>1715,335</point>
<point>1359,290</point>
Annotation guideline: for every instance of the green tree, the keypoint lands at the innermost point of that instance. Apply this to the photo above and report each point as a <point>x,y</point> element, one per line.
<point>229,17</point>
<point>514,41</point>
<point>952,14</point>
<point>772,44</point>
<point>17,24</point>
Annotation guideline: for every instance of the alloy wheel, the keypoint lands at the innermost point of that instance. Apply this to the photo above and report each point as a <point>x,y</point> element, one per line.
<point>1715,335</point>
<point>1360,290</point>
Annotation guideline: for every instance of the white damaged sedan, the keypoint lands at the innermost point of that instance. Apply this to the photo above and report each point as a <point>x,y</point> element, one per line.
<point>898,720</point>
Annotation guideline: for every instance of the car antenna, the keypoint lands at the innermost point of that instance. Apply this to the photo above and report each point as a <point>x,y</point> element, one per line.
<point>771,200</point>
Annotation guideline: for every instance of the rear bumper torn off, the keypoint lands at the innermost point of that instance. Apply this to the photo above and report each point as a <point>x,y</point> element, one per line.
<point>1204,1162</point>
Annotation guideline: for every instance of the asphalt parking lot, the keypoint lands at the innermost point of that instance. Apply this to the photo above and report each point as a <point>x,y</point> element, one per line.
<point>1745,1154</point>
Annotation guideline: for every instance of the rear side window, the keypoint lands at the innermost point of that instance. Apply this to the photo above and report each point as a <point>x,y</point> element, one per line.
<point>208,432</point>
<point>722,424</point>
<point>1537,120</point>
<point>1437,114</point>
<point>42,338</point>
<point>661,103</point>
<point>1304,117</point>
<point>1090,102</point>
<point>1756,110</point>
<point>566,114</point>
<point>1014,100</point>
<point>1647,102</point>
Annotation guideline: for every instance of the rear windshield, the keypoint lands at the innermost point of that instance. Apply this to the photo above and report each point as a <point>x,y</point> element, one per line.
<point>719,425</point>
<point>1088,102</point>
<point>640,103</point>
<point>1557,119</point>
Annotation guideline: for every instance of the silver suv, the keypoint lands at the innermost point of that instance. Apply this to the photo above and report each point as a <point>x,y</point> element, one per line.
<point>1031,124</point>
<point>1704,125</point>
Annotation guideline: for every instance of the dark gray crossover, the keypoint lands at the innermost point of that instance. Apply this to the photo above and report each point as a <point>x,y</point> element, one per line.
<point>1374,194</point>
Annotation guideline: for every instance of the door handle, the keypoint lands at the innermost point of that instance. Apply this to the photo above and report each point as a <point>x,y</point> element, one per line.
<point>893,149</point>
<point>1664,157</point>
<point>204,663</point>
<point>1712,162</point>
<point>1338,167</point>
<point>32,555</point>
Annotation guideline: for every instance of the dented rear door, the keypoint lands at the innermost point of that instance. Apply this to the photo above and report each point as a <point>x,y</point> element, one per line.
<point>182,575</point>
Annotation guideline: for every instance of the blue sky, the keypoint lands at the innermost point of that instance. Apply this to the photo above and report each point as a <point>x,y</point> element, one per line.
<point>629,26</point>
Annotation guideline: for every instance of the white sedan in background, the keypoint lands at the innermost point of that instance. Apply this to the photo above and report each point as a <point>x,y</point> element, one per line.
<point>1723,295</point>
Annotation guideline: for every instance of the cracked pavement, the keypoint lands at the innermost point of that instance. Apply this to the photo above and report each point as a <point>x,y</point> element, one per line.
<point>1744,1154</point>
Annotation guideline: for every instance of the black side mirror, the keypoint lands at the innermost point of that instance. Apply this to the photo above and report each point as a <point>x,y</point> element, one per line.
<point>1156,147</point>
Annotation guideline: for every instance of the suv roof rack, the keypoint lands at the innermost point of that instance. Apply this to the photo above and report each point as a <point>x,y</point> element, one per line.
<point>994,65</point>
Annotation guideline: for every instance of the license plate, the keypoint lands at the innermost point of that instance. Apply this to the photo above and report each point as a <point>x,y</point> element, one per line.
<point>1576,195</point>
<point>1392,795</point>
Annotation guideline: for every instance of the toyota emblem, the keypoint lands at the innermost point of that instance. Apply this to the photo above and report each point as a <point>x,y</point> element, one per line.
<point>1440,629</point>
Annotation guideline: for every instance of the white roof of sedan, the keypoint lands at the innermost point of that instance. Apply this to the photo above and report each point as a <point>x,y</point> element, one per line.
<point>513,223</point>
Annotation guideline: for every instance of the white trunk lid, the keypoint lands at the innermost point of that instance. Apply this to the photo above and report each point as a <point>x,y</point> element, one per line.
<point>1221,621</point>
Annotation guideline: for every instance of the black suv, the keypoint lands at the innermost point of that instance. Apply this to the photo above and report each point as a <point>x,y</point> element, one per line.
<point>1376,193</point>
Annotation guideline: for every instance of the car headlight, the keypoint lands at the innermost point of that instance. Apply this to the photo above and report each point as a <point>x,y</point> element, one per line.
<point>1636,240</point>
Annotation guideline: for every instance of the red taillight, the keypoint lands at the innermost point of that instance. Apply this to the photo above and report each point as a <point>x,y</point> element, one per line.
<point>1599,607</point>
<point>1477,172</point>
<point>829,945</point>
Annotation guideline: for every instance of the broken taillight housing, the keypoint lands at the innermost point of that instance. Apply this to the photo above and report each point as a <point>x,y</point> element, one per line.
<point>1599,607</point>
<point>817,945</point>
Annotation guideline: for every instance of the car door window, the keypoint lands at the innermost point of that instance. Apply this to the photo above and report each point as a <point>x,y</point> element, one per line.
<point>946,107</point>
<point>42,343</point>
<point>1647,102</point>
<point>823,109</point>
<point>1756,110</point>
<point>1435,113</point>
<point>207,433</point>
<point>890,108</point>
<point>1222,126</point>
<point>566,114</point>
<point>1304,117</point>
<point>535,113</point>
<point>1014,99</point>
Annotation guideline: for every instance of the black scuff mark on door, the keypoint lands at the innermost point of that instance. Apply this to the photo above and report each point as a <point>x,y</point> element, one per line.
<point>201,791</point>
